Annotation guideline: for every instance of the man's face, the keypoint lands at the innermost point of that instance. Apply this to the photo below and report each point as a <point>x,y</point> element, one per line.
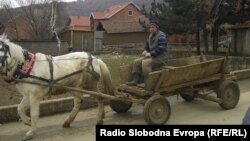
<point>152,29</point>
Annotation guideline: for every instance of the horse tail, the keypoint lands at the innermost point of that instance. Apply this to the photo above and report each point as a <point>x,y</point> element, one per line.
<point>106,77</point>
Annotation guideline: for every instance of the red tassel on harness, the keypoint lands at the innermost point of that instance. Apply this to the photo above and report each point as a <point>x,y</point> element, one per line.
<point>28,64</point>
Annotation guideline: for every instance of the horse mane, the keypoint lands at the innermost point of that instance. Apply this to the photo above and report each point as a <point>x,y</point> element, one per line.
<point>16,51</point>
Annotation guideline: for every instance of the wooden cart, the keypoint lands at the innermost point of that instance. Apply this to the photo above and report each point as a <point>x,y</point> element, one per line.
<point>191,77</point>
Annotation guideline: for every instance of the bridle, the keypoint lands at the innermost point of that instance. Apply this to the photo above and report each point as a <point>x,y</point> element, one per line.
<point>3,59</point>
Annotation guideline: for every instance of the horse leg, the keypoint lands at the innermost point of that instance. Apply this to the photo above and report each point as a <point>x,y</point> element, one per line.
<point>73,113</point>
<point>22,108</point>
<point>101,111</point>
<point>34,112</point>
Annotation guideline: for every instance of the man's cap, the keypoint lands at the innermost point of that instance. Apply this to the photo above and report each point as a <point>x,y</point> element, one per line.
<point>155,23</point>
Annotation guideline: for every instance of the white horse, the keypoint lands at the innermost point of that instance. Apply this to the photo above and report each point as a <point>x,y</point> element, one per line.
<point>82,71</point>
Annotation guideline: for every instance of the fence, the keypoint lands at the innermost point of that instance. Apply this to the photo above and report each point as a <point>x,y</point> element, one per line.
<point>45,47</point>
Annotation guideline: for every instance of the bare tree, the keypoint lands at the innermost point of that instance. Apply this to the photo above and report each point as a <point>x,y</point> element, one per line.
<point>8,15</point>
<point>37,14</point>
<point>53,22</point>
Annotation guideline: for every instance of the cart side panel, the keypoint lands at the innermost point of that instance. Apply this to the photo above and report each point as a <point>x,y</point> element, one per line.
<point>189,73</point>
<point>185,74</point>
<point>184,61</point>
<point>126,70</point>
<point>152,80</point>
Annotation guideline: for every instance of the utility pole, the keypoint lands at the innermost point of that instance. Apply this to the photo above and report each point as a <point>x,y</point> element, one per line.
<point>198,24</point>
<point>215,25</point>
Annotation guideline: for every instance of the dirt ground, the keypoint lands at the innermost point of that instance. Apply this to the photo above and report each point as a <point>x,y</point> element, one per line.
<point>9,94</point>
<point>197,112</point>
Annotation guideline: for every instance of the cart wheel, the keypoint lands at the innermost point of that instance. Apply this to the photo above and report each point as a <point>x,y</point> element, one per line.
<point>120,106</point>
<point>229,92</point>
<point>186,96</point>
<point>157,110</point>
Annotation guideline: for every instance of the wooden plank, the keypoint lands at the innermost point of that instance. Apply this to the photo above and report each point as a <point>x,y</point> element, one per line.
<point>92,93</point>
<point>188,73</point>
<point>153,78</point>
<point>183,61</point>
<point>135,90</point>
<point>191,83</point>
<point>209,98</point>
<point>168,67</point>
<point>162,77</point>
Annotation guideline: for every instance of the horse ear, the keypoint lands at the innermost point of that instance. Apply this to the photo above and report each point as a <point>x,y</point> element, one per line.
<point>2,29</point>
<point>4,37</point>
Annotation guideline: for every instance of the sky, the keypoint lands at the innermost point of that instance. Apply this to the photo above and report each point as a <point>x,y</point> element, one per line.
<point>14,4</point>
<point>68,0</point>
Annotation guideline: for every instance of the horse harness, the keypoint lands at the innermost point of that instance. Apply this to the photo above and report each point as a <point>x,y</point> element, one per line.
<point>3,59</point>
<point>24,72</point>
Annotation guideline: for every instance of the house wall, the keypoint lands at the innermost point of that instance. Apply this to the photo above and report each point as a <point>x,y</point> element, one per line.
<point>65,36</point>
<point>79,40</point>
<point>83,41</point>
<point>123,14</point>
<point>118,34</point>
<point>124,38</point>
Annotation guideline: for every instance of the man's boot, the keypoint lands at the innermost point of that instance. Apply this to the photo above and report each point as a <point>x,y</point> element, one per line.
<point>135,80</point>
<point>143,84</point>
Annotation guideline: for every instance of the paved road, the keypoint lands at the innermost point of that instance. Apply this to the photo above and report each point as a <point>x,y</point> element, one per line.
<point>196,112</point>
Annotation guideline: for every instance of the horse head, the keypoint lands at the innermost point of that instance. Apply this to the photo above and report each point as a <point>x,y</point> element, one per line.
<point>9,51</point>
<point>4,53</point>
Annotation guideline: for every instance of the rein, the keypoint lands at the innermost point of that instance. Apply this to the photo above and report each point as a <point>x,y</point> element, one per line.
<point>3,59</point>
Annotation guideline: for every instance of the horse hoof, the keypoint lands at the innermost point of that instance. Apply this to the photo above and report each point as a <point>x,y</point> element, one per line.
<point>27,137</point>
<point>66,125</point>
<point>27,123</point>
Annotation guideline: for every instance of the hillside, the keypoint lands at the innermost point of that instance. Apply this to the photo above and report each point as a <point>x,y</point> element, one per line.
<point>86,7</point>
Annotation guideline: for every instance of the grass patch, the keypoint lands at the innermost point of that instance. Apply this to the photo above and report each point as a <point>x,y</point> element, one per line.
<point>114,62</point>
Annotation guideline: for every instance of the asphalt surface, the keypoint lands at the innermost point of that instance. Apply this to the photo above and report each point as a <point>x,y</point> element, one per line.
<point>183,113</point>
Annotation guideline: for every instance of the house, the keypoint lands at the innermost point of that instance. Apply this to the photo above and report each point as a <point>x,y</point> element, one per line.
<point>120,24</point>
<point>78,34</point>
<point>240,39</point>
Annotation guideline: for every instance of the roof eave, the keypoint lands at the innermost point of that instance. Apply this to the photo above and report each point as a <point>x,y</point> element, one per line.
<point>123,8</point>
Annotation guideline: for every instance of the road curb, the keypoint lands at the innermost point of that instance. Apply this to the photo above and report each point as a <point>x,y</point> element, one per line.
<point>242,74</point>
<point>48,107</point>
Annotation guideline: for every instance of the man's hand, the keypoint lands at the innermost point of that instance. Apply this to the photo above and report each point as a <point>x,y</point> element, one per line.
<point>144,53</point>
<point>147,54</point>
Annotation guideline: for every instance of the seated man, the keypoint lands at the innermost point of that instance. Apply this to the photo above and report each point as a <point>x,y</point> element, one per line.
<point>154,54</point>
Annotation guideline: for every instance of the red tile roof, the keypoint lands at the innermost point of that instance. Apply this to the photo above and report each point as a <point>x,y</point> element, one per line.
<point>81,23</point>
<point>109,12</point>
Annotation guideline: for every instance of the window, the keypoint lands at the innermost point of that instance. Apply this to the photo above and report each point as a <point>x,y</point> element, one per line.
<point>130,13</point>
